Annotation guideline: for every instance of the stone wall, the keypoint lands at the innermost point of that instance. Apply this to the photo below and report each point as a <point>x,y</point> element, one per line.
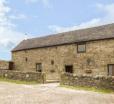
<point>23,76</point>
<point>4,65</point>
<point>87,81</point>
<point>95,60</point>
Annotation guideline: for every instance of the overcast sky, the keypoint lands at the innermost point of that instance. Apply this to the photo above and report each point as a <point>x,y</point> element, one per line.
<point>42,17</point>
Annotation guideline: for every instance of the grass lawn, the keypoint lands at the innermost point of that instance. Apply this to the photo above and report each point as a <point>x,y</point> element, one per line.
<point>17,81</point>
<point>106,91</point>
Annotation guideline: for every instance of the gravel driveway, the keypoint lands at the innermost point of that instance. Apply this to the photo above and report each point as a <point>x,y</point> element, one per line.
<point>49,94</point>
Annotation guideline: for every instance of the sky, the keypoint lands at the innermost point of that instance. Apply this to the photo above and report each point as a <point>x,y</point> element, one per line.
<point>23,19</point>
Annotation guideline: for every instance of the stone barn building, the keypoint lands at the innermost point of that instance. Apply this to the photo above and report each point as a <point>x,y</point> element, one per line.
<point>82,52</point>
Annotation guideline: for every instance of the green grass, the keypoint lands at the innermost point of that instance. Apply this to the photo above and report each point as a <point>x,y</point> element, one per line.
<point>105,91</point>
<point>17,81</point>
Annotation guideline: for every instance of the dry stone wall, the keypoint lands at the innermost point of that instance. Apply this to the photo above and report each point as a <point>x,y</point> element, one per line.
<point>23,76</point>
<point>4,65</point>
<point>87,81</point>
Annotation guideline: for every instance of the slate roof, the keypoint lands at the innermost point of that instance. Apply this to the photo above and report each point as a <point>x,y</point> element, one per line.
<point>82,35</point>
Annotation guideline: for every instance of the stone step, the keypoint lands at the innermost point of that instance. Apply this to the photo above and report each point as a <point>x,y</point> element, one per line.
<point>52,81</point>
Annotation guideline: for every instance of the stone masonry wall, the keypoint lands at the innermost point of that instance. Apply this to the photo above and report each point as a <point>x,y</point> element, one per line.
<point>4,65</point>
<point>96,58</point>
<point>87,81</point>
<point>23,76</point>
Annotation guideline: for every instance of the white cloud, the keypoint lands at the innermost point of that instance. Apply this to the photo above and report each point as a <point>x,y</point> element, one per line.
<point>108,11</point>
<point>3,11</point>
<point>18,16</point>
<point>9,37</point>
<point>31,1</point>
<point>92,23</point>
<point>46,3</point>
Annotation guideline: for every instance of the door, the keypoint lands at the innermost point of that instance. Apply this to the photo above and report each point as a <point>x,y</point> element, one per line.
<point>111,69</point>
<point>52,75</point>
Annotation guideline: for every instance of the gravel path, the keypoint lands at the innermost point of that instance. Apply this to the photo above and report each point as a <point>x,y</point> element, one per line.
<point>49,94</point>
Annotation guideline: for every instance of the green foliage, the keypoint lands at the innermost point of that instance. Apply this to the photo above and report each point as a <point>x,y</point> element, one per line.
<point>17,81</point>
<point>100,90</point>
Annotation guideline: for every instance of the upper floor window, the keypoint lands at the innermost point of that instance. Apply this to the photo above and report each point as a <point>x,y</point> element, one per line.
<point>111,69</point>
<point>81,48</point>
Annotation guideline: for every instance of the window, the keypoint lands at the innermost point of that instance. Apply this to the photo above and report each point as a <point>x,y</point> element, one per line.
<point>26,59</point>
<point>52,62</point>
<point>69,69</point>
<point>111,69</point>
<point>39,67</point>
<point>81,48</point>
